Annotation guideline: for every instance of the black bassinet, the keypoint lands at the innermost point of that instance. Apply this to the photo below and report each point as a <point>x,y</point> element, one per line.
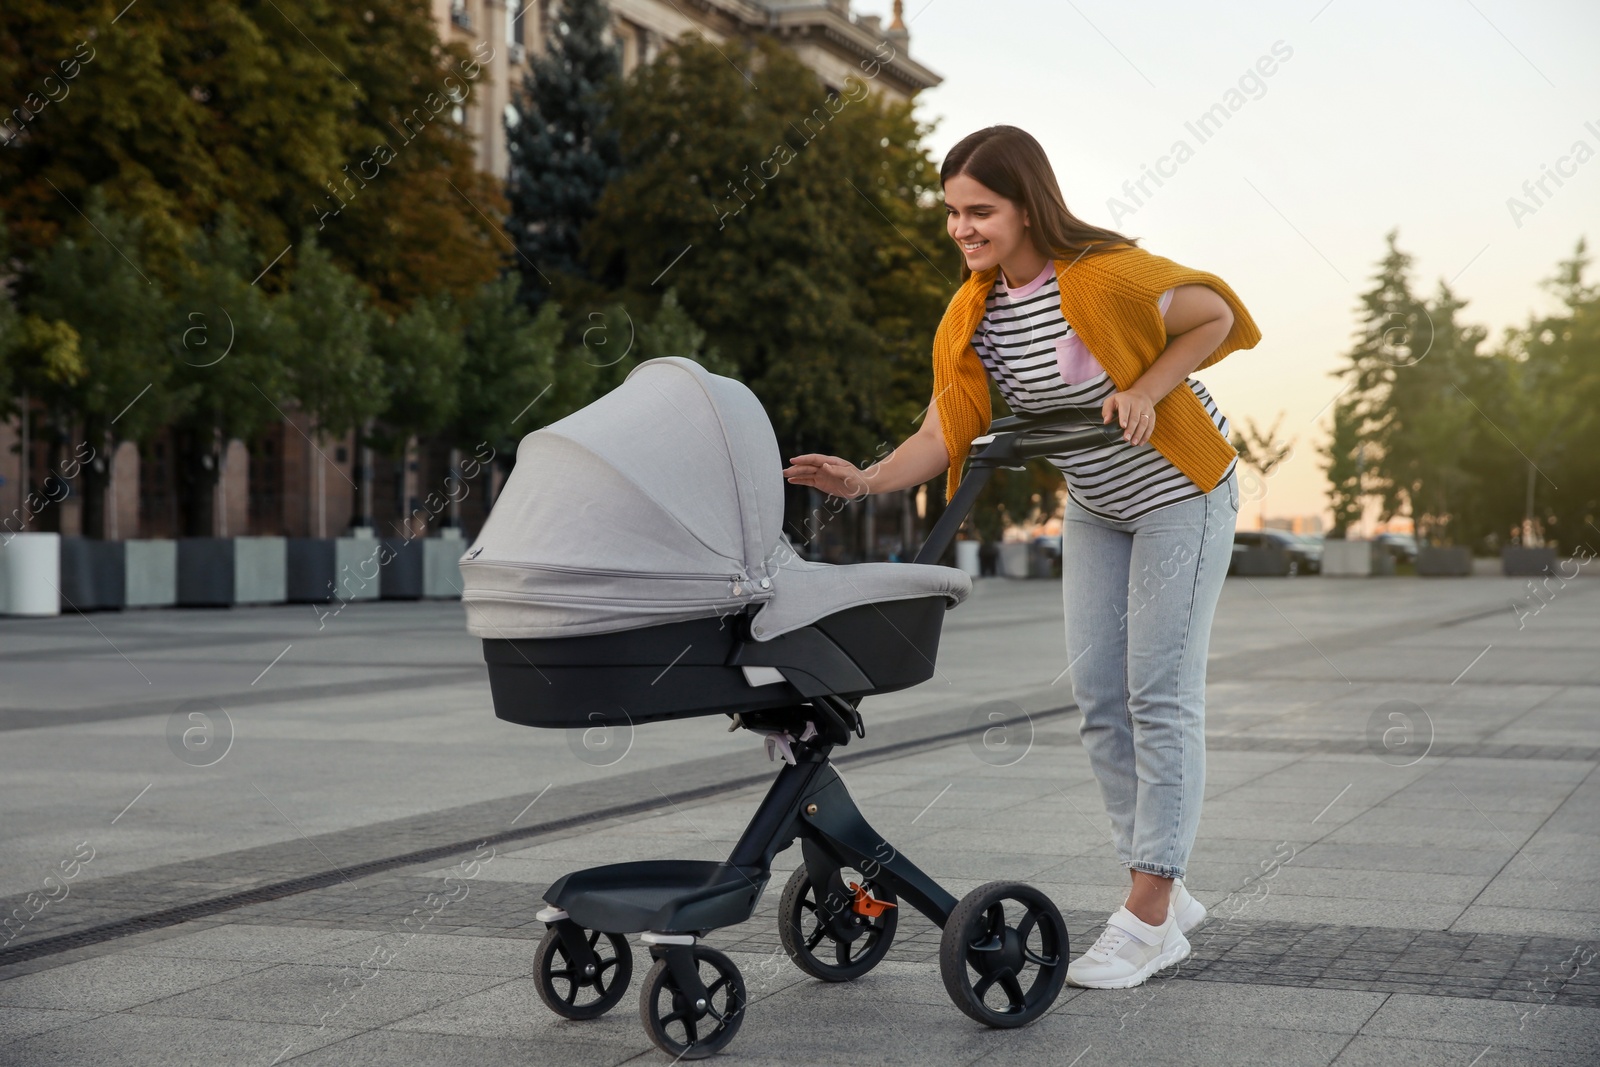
<point>635,569</point>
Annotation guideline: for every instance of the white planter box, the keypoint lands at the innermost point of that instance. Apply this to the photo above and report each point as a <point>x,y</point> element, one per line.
<point>1014,559</point>
<point>441,567</point>
<point>967,557</point>
<point>355,568</point>
<point>1346,559</point>
<point>260,570</point>
<point>30,574</point>
<point>152,574</point>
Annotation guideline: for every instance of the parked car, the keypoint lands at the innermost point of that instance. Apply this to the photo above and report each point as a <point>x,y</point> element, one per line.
<point>1313,543</point>
<point>1305,556</point>
<point>1403,547</point>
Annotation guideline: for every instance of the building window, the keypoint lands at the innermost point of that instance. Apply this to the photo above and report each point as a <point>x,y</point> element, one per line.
<point>515,10</point>
<point>459,15</point>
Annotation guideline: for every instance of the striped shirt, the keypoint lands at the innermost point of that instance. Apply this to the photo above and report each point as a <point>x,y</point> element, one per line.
<point>1039,363</point>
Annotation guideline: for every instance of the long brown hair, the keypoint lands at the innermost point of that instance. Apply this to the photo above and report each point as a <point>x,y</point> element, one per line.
<point>1009,161</point>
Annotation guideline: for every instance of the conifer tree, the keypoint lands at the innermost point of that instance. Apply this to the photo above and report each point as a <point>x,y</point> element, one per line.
<point>561,155</point>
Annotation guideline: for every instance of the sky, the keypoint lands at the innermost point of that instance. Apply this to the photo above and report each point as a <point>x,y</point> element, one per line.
<point>1422,117</point>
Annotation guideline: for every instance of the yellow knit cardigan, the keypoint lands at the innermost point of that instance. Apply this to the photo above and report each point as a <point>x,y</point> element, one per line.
<point>1109,297</point>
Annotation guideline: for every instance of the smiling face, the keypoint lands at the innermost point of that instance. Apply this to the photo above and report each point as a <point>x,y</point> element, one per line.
<point>988,228</point>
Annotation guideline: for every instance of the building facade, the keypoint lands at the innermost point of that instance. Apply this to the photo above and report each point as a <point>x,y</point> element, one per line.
<point>825,34</point>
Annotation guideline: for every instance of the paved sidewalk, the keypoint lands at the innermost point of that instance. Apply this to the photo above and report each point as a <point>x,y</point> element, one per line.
<point>1383,890</point>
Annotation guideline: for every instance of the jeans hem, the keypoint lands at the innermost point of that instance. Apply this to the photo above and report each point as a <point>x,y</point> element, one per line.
<point>1160,870</point>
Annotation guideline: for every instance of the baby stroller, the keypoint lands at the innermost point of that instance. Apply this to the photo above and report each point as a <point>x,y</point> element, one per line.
<point>635,570</point>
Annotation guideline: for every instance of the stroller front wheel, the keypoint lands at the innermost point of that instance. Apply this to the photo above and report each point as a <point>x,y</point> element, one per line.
<point>1003,954</point>
<point>575,976</point>
<point>688,1029</point>
<point>859,924</point>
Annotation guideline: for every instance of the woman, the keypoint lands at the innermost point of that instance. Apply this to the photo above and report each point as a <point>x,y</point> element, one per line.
<point>1057,312</point>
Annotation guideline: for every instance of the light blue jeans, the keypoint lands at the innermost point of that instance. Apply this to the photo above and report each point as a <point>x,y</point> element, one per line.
<point>1139,596</point>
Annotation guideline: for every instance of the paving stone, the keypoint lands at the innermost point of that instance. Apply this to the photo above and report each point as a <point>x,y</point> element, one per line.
<point>466,951</point>
<point>320,996</point>
<point>1570,1033</point>
<point>513,1011</point>
<point>1581,925</point>
<point>1152,1040</point>
<point>1365,1051</point>
<point>386,1048</point>
<point>1351,884</point>
<point>247,943</point>
<point>1176,1001</point>
<point>113,983</point>
<point>1425,859</point>
<point>17,1023</point>
<point>131,1040</point>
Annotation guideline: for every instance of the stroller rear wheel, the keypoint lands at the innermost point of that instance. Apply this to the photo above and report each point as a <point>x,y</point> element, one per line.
<point>1003,954</point>
<point>859,926</point>
<point>688,1029</point>
<point>582,983</point>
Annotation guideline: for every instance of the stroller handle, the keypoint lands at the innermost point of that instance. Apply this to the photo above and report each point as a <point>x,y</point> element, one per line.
<point>1010,443</point>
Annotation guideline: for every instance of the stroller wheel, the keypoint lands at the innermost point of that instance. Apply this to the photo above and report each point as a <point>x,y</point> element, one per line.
<point>692,1031</point>
<point>585,991</point>
<point>1003,955</point>
<point>852,937</point>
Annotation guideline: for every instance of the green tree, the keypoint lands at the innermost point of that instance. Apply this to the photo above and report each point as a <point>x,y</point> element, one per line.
<point>1432,420</point>
<point>33,352</point>
<point>295,113</point>
<point>1477,447</point>
<point>329,366</point>
<point>10,339</point>
<point>510,362</point>
<point>520,372</point>
<point>800,228</point>
<point>1552,391</point>
<point>1345,468</point>
<point>1402,410</point>
<point>673,333</point>
<point>422,353</point>
<point>227,340</point>
<point>561,154</point>
<point>509,382</point>
<point>122,382</point>
<point>331,370</point>
<point>31,346</point>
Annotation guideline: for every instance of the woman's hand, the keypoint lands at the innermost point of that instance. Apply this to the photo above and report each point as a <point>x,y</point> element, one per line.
<point>1134,411</point>
<point>832,475</point>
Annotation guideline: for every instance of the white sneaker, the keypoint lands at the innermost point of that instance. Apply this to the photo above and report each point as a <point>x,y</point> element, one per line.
<point>1129,951</point>
<point>1186,909</point>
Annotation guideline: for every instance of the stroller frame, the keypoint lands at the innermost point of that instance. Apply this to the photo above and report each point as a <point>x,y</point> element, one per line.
<point>675,903</point>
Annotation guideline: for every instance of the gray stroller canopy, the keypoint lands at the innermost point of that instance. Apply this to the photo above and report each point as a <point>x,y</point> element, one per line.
<point>660,502</point>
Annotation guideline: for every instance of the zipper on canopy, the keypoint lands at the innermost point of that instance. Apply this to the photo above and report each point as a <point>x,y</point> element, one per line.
<point>506,596</point>
<point>602,571</point>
